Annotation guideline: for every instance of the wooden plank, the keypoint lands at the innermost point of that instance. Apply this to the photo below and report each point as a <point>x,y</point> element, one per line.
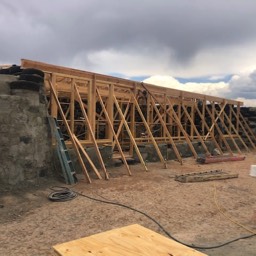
<point>177,120</point>
<point>119,130</point>
<point>216,119</point>
<point>126,241</point>
<point>182,129</point>
<point>114,134</point>
<point>54,107</point>
<point>130,134</point>
<point>236,132</point>
<point>110,109</point>
<point>207,127</point>
<point>149,132</point>
<point>70,134</point>
<point>167,132</point>
<point>243,128</point>
<point>91,132</point>
<point>92,104</point>
<point>229,134</point>
<point>72,106</point>
<point>219,130</point>
<point>195,129</point>
<point>246,125</point>
<point>205,176</point>
<point>87,156</point>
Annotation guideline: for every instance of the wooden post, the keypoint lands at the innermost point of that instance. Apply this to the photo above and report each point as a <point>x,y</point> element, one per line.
<point>92,104</point>
<point>177,121</point>
<point>236,132</point>
<point>219,130</point>
<point>182,130</point>
<point>121,123</point>
<point>207,127</point>
<point>191,118</point>
<point>149,132</point>
<point>113,131</point>
<point>129,133</point>
<point>110,109</point>
<point>133,123</point>
<point>54,107</point>
<point>167,132</point>
<point>70,133</point>
<point>203,113</point>
<point>244,127</point>
<point>72,106</point>
<point>87,156</point>
<point>195,129</point>
<point>91,132</point>
<point>216,119</point>
<point>238,114</point>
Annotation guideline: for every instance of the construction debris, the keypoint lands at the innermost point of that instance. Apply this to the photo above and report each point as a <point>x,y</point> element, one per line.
<point>216,159</point>
<point>205,176</point>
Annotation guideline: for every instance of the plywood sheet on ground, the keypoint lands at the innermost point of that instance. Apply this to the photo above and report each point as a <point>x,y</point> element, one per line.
<point>126,241</point>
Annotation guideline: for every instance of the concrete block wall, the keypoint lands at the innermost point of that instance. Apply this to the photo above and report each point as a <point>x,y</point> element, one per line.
<point>25,149</point>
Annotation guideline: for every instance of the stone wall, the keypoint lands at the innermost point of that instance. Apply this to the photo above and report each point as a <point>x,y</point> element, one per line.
<point>25,141</point>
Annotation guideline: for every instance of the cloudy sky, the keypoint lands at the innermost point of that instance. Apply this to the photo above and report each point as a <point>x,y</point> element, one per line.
<point>198,45</point>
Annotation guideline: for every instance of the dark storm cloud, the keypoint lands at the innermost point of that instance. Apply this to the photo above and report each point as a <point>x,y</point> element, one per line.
<point>56,31</point>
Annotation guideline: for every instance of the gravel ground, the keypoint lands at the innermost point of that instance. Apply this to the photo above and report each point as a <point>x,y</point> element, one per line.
<point>30,224</point>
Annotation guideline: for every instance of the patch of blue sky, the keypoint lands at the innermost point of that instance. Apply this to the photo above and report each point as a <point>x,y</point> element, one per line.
<point>205,79</point>
<point>133,78</point>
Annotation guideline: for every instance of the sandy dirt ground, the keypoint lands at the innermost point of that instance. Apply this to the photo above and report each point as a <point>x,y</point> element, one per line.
<point>30,224</point>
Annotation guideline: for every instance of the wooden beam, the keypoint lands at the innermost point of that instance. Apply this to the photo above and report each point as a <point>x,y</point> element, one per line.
<point>195,129</point>
<point>177,120</point>
<point>216,119</point>
<point>149,132</point>
<point>87,156</point>
<point>246,125</point>
<point>91,132</point>
<point>110,109</point>
<point>229,134</point>
<point>219,130</point>
<point>54,107</point>
<point>91,104</point>
<point>113,131</point>
<point>207,127</point>
<point>243,128</point>
<point>130,134</point>
<point>121,123</point>
<point>167,132</point>
<point>234,129</point>
<point>72,106</point>
<point>182,129</point>
<point>70,133</point>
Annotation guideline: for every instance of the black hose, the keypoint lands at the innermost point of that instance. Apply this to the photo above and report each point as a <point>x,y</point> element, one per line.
<point>62,194</point>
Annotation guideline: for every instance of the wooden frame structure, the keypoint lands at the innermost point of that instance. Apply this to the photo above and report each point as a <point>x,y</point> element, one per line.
<point>95,109</point>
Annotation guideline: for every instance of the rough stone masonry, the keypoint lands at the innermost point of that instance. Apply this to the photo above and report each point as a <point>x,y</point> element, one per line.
<point>25,153</point>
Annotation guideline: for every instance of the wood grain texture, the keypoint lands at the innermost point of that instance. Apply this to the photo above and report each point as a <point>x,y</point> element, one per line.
<point>126,241</point>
